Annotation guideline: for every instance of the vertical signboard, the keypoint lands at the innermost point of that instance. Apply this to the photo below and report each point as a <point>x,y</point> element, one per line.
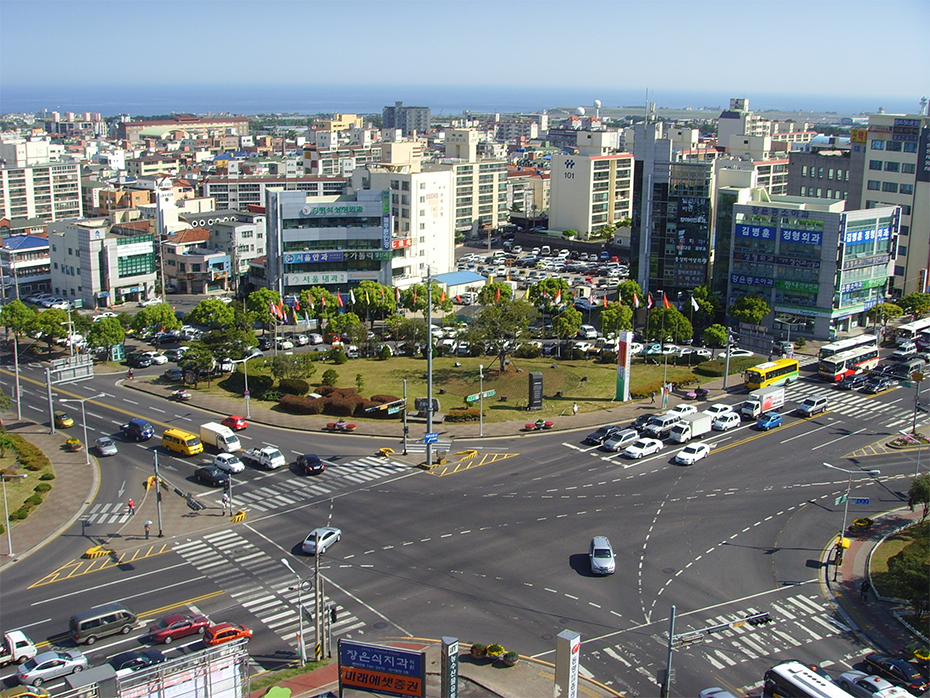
<point>567,661</point>
<point>923,156</point>
<point>623,366</point>
<point>388,671</point>
<point>536,391</point>
<point>449,667</point>
<point>385,220</point>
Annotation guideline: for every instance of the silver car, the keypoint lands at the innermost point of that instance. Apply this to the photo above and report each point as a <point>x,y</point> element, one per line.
<point>105,446</point>
<point>602,556</point>
<point>229,462</point>
<point>860,684</point>
<point>50,665</point>
<point>324,537</point>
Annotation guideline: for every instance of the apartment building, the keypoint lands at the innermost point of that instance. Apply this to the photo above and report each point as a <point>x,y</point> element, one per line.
<point>588,192</point>
<point>25,266</point>
<point>191,265</point>
<point>49,191</point>
<point>528,191</point>
<point>240,192</point>
<point>408,120</point>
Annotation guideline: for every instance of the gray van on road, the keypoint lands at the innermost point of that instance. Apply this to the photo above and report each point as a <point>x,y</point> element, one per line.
<point>109,619</point>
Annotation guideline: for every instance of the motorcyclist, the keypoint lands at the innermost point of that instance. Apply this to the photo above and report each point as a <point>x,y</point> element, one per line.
<point>129,373</point>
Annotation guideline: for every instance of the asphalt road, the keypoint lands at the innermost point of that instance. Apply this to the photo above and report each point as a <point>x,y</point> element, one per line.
<point>499,552</point>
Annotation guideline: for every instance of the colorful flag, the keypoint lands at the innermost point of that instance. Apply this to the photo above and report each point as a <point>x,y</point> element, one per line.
<point>558,296</point>
<point>442,297</point>
<point>497,294</point>
<point>271,308</point>
<point>458,299</point>
<point>339,300</point>
<point>665,302</point>
<point>648,301</point>
<point>322,301</point>
<point>397,295</point>
<point>382,294</point>
<point>605,301</point>
<point>635,300</point>
<point>352,296</point>
<point>296,305</point>
<point>310,301</point>
<point>694,304</point>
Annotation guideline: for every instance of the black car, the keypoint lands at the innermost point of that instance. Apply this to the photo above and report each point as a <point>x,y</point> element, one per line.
<point>877,384</point>
<point>601,435</point>
<point>212,475</point>
<point>640,422</point>
<point>310,464</point>
<point>173,374</point>
<point>264,343</point>
<point>139,360</point>
<point>853,382</point>
<point>898,671</point>
<point>136,661</point>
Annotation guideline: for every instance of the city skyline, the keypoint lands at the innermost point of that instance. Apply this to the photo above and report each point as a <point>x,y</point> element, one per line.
<point>203,47</point>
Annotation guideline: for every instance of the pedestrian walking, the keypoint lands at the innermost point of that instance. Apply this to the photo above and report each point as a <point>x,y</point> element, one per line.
<point>225,503</point>
<point>574,408</point>
<point>864,590</point>
<point>148,529</point>
<point>652,397</point>
<point>131,505</point>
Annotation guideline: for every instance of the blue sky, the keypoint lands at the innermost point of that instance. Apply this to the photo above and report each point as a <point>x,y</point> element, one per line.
<point>877,48</point>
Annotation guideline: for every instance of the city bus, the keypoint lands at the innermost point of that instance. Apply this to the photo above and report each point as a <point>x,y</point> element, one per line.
<point>794,680</point>
<point>910,331</point>
<point>778,372</point>
<point>834,368</point>
<point>863,340</point>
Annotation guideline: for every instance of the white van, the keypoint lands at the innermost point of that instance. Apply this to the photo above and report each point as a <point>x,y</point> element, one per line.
<point>545,251</point>
<point>587,332</point>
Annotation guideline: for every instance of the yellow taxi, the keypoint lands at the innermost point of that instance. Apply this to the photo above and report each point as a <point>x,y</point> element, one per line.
<point>63,420</point>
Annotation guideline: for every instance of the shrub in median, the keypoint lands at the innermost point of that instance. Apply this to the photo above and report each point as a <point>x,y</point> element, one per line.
<point>293,386</point>
<point>467,414</point>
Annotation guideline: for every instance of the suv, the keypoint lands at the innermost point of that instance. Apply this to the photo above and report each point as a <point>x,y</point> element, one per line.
<point>812,406</point>
<point>138,430</point>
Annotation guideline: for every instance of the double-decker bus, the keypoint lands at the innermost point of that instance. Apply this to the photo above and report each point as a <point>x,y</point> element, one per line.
<point>863,340</point>
<point>792,679</point>
<point>778,372</point>
<point>910,331</point>
<point>834,368</point>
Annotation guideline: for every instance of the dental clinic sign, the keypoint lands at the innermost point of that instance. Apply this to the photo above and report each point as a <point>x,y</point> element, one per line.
<point>331,210</point>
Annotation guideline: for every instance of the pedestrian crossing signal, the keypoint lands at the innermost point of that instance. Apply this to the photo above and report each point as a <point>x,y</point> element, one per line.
<point>193,504</point>
<point>760,619</point>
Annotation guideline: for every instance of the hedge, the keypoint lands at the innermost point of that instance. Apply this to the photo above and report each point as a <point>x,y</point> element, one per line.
<point>258,384</point>
<point>295,404</point>
<point>717,367</point>
<point>467,414</point>
<point>293,386</point>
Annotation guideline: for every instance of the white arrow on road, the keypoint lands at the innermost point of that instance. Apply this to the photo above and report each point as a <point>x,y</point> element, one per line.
<point>122,488</point>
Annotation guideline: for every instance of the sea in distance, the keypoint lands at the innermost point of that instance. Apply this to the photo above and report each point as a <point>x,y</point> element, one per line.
<point>147,100</point>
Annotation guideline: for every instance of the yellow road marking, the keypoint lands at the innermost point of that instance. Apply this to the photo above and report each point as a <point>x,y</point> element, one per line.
<point>468,462</point>
<point>77,568</point>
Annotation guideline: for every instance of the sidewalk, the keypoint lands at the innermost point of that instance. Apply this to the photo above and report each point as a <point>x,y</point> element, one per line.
<point>478,678</point>
<point>873,619</point>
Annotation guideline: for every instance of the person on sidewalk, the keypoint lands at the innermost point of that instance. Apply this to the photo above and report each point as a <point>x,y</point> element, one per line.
<point>652,398</point>
<point>225,503</point>
<point>864,589</point>
<point>148,529</point>
<point>131,505</point>
<point>574,408</point>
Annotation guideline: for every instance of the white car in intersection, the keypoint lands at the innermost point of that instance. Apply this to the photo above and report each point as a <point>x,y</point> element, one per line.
<point>692,453</point>
<point>727,421</point>
<point>643,447</point>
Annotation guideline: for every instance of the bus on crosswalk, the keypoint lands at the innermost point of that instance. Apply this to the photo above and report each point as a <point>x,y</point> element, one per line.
<point>847,363</point>
<point>778,372</point>
<point>862,340</point>
<point>795,680</point>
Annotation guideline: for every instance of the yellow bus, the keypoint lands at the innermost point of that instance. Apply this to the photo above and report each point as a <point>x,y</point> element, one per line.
<point>778,372</point>
<point>182,442</point>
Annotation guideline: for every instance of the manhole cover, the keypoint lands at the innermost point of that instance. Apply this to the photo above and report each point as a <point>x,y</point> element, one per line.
<point>546,636</point>
<point>380,625</point>
<point>564,621</point>
<point>669,570</point>
<point>237,551</point>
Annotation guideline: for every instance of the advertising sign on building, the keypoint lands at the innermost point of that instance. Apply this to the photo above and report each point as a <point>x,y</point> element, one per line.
<point>623,366</point>
<point>388,671</point>
<point>312,257</point>
<point>923,156</point>
<point>316,278</point>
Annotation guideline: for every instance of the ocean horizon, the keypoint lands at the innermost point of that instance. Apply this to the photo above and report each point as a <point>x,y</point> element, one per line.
<point>149,100</point>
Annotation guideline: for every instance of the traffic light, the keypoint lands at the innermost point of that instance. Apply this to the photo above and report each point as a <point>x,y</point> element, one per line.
<point>227,485</point>
<point>333,613</point>
<point>760,619</point>
<point>193,504</point>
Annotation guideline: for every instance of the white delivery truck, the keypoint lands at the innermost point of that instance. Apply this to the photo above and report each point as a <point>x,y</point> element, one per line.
<point>16,648</point>
<point>221,438</point>
<point>762,401</point>
<point>692,426</point>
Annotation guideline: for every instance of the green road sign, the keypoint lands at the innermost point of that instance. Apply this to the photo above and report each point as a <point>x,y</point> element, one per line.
<point>839,500</point>
<point>394,410</point>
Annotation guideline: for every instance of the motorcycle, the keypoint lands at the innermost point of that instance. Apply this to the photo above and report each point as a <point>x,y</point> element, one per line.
<point>538,425</point>
<point>182,396</point>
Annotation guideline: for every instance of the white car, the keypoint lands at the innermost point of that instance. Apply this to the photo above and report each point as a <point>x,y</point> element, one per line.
<point>229,462</point>
<point>858,683</point>
<point>636,348</point>
<point>151,301</point>
<point>692,453</point>
<point>699,352</point>
<point>157,359</point>
<point>104,315</point>
<point>643,447</point>
<point>682,410</point>
<point>718,410</point>
<point>727,421</point>
<point>301,340</point>
<point>740,352</point>
<point>315,338</point>
<point>326,536</point>
<point>105,446</point>
<point>285,344</point>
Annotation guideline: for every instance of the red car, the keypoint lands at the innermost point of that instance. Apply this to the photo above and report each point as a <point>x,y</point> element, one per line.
<point>176,626</point>
<point>225,632</point>
<point>234,422</point>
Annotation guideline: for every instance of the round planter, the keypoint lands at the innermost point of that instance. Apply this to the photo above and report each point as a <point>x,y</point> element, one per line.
<point>510,661</point>
<point>478,653</point>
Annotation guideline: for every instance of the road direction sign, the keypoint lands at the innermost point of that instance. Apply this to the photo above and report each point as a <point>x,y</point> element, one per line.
<point>473,398</point>
<point>839,500</point>
<point>490,393</point>
<point>394,410</point>
<point>431,437</point>
<point>862,500</point>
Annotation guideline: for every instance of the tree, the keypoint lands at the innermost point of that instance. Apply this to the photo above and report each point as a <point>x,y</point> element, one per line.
<point>544,293</point>
<point>502,325</point>
<point>919,494</point>
<point>6,442</point>
<point>319,303</point>
<point>626,289</point>
<point>715,336</point>
<point>708,305</point>
<point>916,303</point>
<point>160,316</point>
<point>883,312</point>
<point>231,343</point>
<point>105,333</point>
<point>359,382</point>
<point>16,316</point>
<point>495,292</point>
<point>750,308</point>
<point>616,317</point>
<point>51,323</point>
<point>330,376</point>
<point>260,303</point>
<point>373,300</point>
<point>566,324</point>
<point>668,322</point>
<point>291,366</point>
<point>413,298</point>
<point>197,359</point>
<point>212,312</point>
<point>348,324</point>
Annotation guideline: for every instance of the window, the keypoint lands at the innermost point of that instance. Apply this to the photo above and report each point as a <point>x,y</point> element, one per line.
<point>830,174</point>
<point>891,187</point>
<point>902,250</point>
<point>422,226</point>
<point>907,189</point>
<point>829,193</point>
<point>905,210</point>
<point>894,146</point>
<point>908,167</point>
<point>898,271</point>
<point>892,166</point>
<point>877,145</point>
<point>905,230</point>
<point>819,173</point>
<point>875,164</point>
<point>874,185</point>
<point>804,170</point>
<point>910,147</point>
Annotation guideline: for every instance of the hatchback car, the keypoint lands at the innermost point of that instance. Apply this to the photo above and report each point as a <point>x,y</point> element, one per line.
<point>601,555</point>
<point>234,422</point>
<point>63,420</point>
<point>225,632</point>
<point>24,692</point>
<point>229,462</point>
<point>692,453</point>
<point>136,661</point>
<point>898,671</point>
<point>105,446</point>
<point>310,464</point>
<point>643,447</point>
<point>176,626</point>
<point>860,684</point>
<point>601,435</point>
<point>323,537</point>
<point>51,665</point>
<point>727,421</point>
<point>718,410</point>
<point>211,475</point>
<point>769,421</point>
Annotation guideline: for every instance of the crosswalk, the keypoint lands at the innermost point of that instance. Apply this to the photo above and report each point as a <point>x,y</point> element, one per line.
<point>420,447</point>
<point>851,403</point>
<point>293,491</point>
<point>235,564</point>
<point>107,513</point>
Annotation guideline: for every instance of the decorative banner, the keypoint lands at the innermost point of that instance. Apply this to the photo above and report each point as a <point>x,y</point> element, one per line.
<point>623,366</point>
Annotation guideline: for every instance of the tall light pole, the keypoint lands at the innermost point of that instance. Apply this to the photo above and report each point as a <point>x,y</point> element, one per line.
<point>6,512</point>
<point>248,410</point>
<point>300,610</point>
<point>84,420</point>
<point>839,540</point>
<point>481,400</point>
<point>429,363</point>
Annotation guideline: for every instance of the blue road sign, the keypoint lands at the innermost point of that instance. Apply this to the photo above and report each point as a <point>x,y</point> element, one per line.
<point>864,500</point>
<point>431,437</point>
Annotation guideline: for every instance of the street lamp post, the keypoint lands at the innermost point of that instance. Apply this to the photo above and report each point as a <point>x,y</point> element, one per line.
<point>839,540</point>
<point>248,411</point>
<point>6,512</point>
<point>300,610</point>
<point>84,420</point>
<point>480,399</point>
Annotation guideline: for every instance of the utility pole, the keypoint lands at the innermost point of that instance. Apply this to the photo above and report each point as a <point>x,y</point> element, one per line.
<point>317,602</point>
<point>51,402</point>
<point>19,404</point>
<point>726,368</point>
<point>405,416</point>
<point>158,495</point>
<point>667,678</point>
<point>429,363</point>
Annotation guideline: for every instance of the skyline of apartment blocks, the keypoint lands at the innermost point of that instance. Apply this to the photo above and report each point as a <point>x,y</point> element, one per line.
<point>405,119</point>
<point>819,267</point>
<point>480,195</point>
<point>588,192</point>
<point>50,191</point>
<point>896,150</point>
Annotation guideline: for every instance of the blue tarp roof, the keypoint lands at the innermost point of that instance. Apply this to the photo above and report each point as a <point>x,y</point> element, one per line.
<point>24,242</point>
<point>460,278</point>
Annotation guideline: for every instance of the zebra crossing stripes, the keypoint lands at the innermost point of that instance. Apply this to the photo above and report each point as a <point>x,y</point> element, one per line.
<point>234,563</point>
<point>851,403</point>
<point>420,447</point>
<point>109,513</point>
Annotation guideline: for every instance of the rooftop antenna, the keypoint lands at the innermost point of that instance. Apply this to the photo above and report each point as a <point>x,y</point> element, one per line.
<point>923,106</point>
<point>647,105</point>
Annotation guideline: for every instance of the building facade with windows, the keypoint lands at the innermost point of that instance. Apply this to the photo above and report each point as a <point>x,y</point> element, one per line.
<point>896,171</point>
<point>480,192</point>
<point>51,191</point>
<point>405,119</point>
<point>817,265</point>
<point>588,192</point>
<point>239,192</point>
<point>25,266</point>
